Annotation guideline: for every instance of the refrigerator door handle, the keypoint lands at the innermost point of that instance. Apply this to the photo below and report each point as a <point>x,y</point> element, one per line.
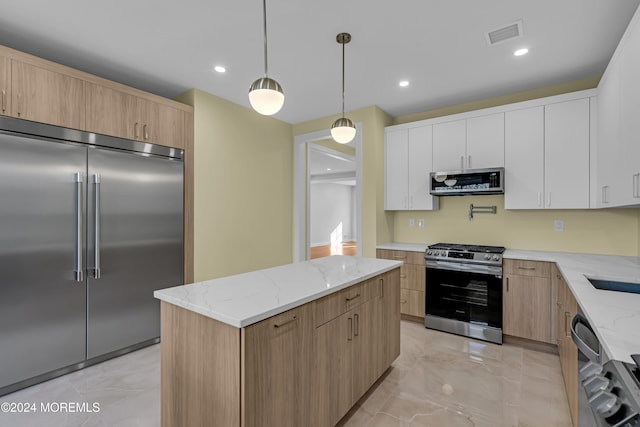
<point>96,227</point>
<point>78,273</point>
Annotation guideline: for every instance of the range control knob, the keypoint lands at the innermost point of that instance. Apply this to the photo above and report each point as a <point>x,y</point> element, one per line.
<point>429,252</point>
<point>496,257</point>
<point>589,370</point>
<point>487,257</point>
<point>438,253</point>
<point>605,404</point>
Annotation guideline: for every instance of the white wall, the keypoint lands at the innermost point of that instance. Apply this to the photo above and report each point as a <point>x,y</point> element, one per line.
<point>330,205</point>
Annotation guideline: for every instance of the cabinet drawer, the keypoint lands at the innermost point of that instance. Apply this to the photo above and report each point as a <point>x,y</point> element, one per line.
<point>412,302</point>
<point>527,268</point>
<point>334,305</point>
<point>409,257</point>
<point>412,277</point>
<point>372,288</point>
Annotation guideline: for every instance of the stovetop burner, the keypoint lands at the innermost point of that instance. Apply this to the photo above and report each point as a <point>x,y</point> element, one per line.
<point>469,248</point>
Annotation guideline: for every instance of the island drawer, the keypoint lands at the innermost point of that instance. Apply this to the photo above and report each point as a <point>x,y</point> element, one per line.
<point>527,268</point>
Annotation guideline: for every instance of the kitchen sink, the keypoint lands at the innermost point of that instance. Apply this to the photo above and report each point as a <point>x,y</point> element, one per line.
<point>612,285</point>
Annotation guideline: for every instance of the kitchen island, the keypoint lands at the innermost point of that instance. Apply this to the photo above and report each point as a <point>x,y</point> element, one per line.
<point>292,345</point>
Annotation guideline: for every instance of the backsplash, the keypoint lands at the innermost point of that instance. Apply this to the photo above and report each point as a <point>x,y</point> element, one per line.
<point>602,231</point>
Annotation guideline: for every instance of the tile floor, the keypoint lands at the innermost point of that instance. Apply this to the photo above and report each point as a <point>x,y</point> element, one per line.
<point>438,380</point>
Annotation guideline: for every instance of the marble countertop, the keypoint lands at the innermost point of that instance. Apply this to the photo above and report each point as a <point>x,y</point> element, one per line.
<point>615,316</point>
<point>247,298</point>
<point>411,247</point>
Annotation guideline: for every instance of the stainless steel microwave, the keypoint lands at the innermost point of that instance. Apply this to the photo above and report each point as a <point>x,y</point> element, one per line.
<point>466,182</point>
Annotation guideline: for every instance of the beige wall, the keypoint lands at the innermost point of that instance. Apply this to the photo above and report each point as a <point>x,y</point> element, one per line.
<point>243,188</point>
<point>376,224</point>
<point>604,231</point>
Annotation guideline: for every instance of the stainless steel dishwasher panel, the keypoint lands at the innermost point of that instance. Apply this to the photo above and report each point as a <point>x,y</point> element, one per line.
<point>135,245</point>
<point>42,291</point>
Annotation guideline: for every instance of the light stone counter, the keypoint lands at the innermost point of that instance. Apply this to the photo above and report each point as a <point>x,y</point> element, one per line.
<point>411,247</point>
<point>244,299</point>
<point>615,316</point>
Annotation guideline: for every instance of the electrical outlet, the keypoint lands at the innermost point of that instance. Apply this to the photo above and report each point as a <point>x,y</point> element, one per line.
<point>421,223</point>
<point>558,225</point>
<point>412,222</point>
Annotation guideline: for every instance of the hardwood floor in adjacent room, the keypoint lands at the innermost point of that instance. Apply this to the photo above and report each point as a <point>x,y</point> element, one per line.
<point>439,380</point>
<point>344,248</point>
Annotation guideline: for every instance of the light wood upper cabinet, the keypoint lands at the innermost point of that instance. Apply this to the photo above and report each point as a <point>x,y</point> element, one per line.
<point>279,362</point>
<point>117,113</point>
<point>407,167</point>
<point>5,86</point>
<point>42,95</point>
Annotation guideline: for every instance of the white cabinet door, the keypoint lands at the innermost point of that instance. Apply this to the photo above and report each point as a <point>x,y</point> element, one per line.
<point>566,155</point>
<point>485,141</point>
<point>420,165</point>
<point>629,164</point>
<point>396,153</point>
<point>523,162</point>
<point>608,138</point>
<point>449,141</point>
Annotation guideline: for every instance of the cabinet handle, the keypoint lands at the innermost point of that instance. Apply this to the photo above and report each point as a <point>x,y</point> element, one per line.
<point>350,333</point>
<point>381,288</point>
<point>404,301</point>
<point>567,319</point>
<point>4,101</point>
<point>469,161</point>
<point>293,319</point>
<point>145,133</point>
<point>461,162</point>
<point>351,299</point>
<point>400,256</point>
<point>636,185</point>
<point>605,194</point>
<point>405,202</point>
<point>357,322</point>
<point>526,268</point>
<point>136,135</point>
<point>507,284</point>
<point>403,276</point>
<point>549,199</point>
<point>411,202</point>
<point>19,104</point>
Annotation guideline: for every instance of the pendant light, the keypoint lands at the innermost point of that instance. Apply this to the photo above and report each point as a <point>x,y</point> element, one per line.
<point>343,129</point>
<point>265,94</point>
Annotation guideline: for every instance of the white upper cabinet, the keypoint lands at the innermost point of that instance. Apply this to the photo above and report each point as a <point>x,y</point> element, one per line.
<point>473,143</point>
<point>618,144</point>
<point>524,157</point>
<point>407,166</point>
<point>547,156</point>
<point>449,146</point>
<point>485,141</point>
<point>566,154</point>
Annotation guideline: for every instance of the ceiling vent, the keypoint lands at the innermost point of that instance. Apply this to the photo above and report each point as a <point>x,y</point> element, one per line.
<point>508,32</point>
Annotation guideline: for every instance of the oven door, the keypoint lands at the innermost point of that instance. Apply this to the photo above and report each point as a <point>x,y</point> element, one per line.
<point>465,292</point>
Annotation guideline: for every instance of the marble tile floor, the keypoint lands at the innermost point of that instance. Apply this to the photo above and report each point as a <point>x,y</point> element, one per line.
<point>439,380</point>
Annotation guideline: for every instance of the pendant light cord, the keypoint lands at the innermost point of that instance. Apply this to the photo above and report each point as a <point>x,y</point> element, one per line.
<point>343,79</point>
<point>264,21</point>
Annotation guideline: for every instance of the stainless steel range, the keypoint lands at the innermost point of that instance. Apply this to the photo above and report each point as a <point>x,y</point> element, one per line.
<point>464,290</point>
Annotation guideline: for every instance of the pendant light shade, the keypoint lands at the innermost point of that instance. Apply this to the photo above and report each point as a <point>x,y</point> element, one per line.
<point>265,94</point>
<point>343,130</point>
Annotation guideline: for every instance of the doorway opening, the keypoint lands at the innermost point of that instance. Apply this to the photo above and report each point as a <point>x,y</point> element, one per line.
<point>327,203</point>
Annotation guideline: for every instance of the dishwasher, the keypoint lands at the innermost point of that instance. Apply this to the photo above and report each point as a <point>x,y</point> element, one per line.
<point>608,390</point>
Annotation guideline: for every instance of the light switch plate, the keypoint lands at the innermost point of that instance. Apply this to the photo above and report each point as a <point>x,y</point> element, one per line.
<point>412,222</point>
<point>558,225</point>
<point>421,223</point>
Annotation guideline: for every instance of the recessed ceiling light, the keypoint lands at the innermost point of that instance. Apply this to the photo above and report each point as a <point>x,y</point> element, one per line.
<point>403,83</point>
<point>220,69</point>
<point>328,169</point>
<point>521,52</point>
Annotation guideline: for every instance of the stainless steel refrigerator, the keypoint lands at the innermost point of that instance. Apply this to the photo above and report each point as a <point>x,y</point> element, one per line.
<point>90,226</point>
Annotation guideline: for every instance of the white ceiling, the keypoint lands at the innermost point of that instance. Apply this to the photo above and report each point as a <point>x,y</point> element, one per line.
<point>169,46</point>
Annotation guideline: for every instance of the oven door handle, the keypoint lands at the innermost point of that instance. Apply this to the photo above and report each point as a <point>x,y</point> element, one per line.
<point>465,268</point>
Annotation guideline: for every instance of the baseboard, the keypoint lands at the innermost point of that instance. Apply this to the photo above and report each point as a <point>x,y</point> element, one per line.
<point>530,344</point>
<point>411,318</point>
